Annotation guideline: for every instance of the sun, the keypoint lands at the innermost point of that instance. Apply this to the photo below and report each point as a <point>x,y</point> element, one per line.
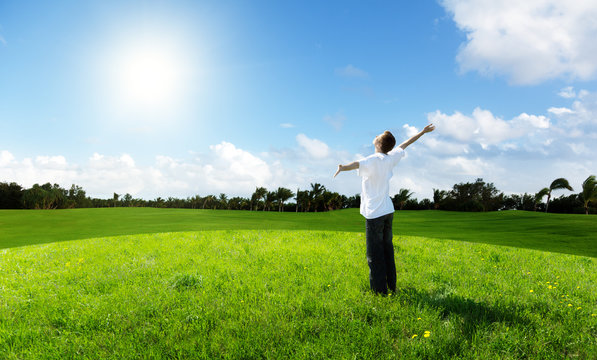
<point>147,75</point>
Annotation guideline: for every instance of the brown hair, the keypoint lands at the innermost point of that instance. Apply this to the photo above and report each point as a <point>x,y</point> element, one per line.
<point>387,142</point>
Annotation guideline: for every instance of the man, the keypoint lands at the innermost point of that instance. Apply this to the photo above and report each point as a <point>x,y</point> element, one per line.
<point>377,208</point>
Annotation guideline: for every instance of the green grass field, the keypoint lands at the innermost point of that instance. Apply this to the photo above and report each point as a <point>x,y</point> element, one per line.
<point>565,233</point>
<point>299,291</point>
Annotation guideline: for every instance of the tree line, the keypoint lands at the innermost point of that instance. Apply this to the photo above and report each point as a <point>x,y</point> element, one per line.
<point>52,196</point>
<point>470,196</point>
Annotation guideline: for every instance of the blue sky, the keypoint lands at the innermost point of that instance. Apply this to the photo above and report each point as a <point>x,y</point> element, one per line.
<point>181,98</point>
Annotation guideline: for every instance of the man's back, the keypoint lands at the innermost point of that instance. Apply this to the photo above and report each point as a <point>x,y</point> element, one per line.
<point>376,171</point>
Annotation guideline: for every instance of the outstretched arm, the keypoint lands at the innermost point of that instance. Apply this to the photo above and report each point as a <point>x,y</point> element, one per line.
<point>352,166</point>
<point>428,128</point>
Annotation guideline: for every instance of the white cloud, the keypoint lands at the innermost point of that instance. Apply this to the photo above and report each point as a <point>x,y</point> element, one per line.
<point>560,110</point>
<point>581,119</point>
<point>485,129</point>
<point>3,41</point>
<point>286,125</point>
<point>317,149</point>
<point>103,175</point>
<point>465,166</point>
<point>522,154</point>
<point>6,158</point>
<point>444,147</point>
<point>336,121</point>
<point>567,92</point>
<point>52,169</point>
<point>580,148</point>
<point>51,162</point>
<point>232,167</point>
<point>531,121</point>
<point>528,41</point>
<point>410,130</point>
<point>100,162</point>
<point>351,71</point>
<point>229,169</point>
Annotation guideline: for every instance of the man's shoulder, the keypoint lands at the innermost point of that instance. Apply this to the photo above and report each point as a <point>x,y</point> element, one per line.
<point>367,158</point>
<point>396,151</point>
<point>375,156</point>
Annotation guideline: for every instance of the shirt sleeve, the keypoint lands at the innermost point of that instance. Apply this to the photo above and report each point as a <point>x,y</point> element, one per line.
<point>396,154</point>
<point>364,167</point>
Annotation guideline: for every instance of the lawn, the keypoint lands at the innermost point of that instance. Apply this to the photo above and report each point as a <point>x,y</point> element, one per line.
<point>564,233</point>
<point>170,283</point>
<point>250,294</point>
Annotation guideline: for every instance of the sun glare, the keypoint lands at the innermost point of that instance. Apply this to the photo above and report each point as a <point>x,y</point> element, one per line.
<point>147,75</point>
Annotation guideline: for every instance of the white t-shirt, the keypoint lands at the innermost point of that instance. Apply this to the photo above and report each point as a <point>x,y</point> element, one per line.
<point>376,171</point>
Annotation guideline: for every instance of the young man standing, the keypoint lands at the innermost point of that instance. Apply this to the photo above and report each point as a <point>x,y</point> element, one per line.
<point>377,208</point>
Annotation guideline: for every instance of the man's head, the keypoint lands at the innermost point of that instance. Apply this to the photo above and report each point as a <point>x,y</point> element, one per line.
<point>384,142</point>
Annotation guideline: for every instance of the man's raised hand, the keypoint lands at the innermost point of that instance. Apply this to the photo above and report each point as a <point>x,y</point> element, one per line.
<point>429,128</point>
<point>338,171</point>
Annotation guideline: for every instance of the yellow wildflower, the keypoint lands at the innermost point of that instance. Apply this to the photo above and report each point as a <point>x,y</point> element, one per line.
<point>578,308</point>
<point>414,336</point>
<point>531,290</point>
<point>569,305</point>
<point>427,334</point>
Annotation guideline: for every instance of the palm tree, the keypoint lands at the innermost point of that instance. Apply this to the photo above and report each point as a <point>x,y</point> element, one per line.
<point>223,200</point>
<point>539,197</point>
<point>589,192</point>
<point>315,194</point>
<point>268,200</point>
<point>159,202</point>
<point>302,199</point>
<point>237,203</point>
<point>283,194</point>
<point>259,194</point>
<point>195,201</point>
<point>559,183</point>
<point>209,200</point>
<point>333,200</point>
<point>402,197</point>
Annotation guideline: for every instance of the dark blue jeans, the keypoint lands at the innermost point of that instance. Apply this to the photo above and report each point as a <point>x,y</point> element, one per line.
<point>380,254</point>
